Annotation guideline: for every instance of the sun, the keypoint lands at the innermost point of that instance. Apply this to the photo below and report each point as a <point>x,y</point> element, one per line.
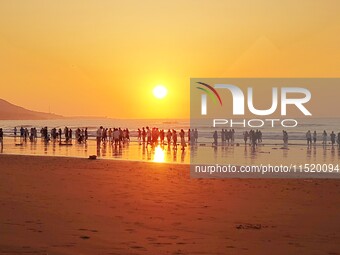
<point>160,91</point>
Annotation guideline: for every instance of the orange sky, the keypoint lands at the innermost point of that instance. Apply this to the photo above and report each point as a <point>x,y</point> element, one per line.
<point>104,57</point>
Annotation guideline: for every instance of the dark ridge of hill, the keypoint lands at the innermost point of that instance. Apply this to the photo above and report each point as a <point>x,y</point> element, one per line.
<point>10,111</point>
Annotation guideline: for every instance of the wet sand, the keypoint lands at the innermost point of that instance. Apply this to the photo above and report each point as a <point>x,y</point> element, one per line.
<point>56,205</point>
<point>201,153</point>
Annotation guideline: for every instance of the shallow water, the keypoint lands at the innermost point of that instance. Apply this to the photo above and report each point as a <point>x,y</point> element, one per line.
<point>201,153</point>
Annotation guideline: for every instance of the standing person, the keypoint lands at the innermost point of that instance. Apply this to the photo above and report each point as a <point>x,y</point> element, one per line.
<point>314,137</point>
<point>110,135</point>
<point>59,134</point>
<point>120,136</point>
<point>189,132</point>
<point>338,139</point>
<point>1,139</point>
<point>21,130</point>
<point>148,136</point>
<point>254,139</point>
<point>21,133</point>
<point>15,131</point>
<point>66,133</point>
<point>260,136</point>
<point>245,137</point>
<point>104,135</point>
<point>192,137</point>
<point>332,135</point>
<point>127,134</point>
<point>196,135</point>
<point>168,137</point>
<point>70,133</point>
<point>285,137</point>
<point>223,134</point>
<point>116,136</point>
<point>143,135</point>
<point>215,136</point>
<point>161,136</point>
<point>182,136</point>
<point>174,139</point>
<point>25,134</point>
<point>232,135</point>
<point>99,136</point>
<point>86,135</point>
<point>139,135</point>
<point>324,137</point>
<point>309,138</point>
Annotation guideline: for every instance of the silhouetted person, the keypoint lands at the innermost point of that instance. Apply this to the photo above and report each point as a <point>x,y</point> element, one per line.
<point>215,136</point>
<point>1,139</point>
<point>324,137</point>
<point>182,136</point>
<point>309,138</point>
<point>245,137</point>
<point>174,138</point>
<point>332,135</point>
<point>86,134</point>
<point>314,137</point>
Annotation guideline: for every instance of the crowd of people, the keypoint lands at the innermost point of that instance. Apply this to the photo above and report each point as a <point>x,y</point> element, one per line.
<point>228,137</point>
<point>254,137</point>
<point>147,136</point>
<point>115,136</point>
<point>155,136</point>
<point>81,135</point>
<point>312,138</point>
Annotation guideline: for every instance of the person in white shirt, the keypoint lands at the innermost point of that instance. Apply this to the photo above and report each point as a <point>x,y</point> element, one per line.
<point>99,136</point>
<point>116,136</point>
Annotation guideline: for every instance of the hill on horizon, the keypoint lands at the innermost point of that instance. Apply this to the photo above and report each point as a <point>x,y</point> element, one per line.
<point>10,111</point>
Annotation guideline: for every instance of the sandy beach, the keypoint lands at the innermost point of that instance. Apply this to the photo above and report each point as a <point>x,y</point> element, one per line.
<point>57,205</point>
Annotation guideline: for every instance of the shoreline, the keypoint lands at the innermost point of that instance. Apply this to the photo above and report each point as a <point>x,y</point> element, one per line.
<point>99,158</point>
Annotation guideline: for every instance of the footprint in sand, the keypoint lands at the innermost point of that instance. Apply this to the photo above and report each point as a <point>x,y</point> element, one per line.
<point>84,237</point>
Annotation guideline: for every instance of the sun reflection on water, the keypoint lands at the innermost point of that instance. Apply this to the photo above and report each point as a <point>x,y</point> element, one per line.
<point>159,154</point>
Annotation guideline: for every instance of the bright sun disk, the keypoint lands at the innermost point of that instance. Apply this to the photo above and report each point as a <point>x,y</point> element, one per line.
<point>160,91</point>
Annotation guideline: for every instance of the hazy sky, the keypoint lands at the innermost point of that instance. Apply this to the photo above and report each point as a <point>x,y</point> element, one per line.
<point>104,57</point>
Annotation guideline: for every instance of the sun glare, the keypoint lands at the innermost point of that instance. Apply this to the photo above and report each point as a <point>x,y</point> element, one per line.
<point>159,154</point>
<point>160,91</point>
